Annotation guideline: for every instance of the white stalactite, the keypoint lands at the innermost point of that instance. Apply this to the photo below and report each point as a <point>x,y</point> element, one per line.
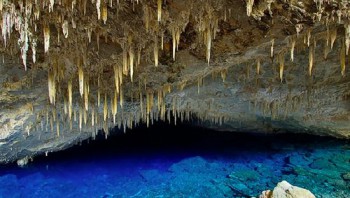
<point>250,4</point>
<point>65,27</point>
<point>46,38</point>
<point>159,10</point>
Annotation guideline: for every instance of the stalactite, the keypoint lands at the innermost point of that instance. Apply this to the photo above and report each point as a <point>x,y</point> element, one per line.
<point>159,10</point>
<point>250,4</point>
<point>292,47</point>
<point>311,59</point>
<point>52,87</point>
<point>98,8</point>
<point>116,78</point>
<point>89,32</point>
<point>131,63</point>
<point>162,41</point>
<point>272,44</point>
<point>46,38</point>
<point>51,4</point>
<point>121,98</point>
<point>342,60</point>
<point>281,61</point>
<point>70,99</point>
<point>308,37</point>
<point>105,108</point>
<point>327,35</point>
<point>333,37</point>
<point>65,27</point>
<point>149,101</point>
<point>156,51</point>
<point>173,33</point>
<point>104,13</point>
<point>34,49</point>
<point>93,117</point>
<point>147,120</point>
<point>98,92</point>
<point>81,79</point>
<point>125,62</point>
<point>347,38</point>
<point>177,38</point>
<point>58,128</point>
<point>86,96</point>
<point>258,65</point>
<point>208,44</point>
<point>80,118</point>
<point>114,106</point>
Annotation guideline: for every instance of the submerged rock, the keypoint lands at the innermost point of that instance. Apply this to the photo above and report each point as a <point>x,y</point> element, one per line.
<point>346,176</point>
<point>286,190</point>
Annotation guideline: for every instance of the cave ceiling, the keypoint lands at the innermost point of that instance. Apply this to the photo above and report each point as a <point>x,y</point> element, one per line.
<point>72,67</point>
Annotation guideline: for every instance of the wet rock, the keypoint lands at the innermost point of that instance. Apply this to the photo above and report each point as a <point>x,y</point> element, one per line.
<point>339,184</point>
<point>321,174</point>
<point>286,190</point>
<point>298,160</point>
<point>266,194</point>
<point>346,176</point>
<point>341,160</point>
<point>245,175</point>
<point>149,175</point>
<point>194,164</point>
<point>322,163</point>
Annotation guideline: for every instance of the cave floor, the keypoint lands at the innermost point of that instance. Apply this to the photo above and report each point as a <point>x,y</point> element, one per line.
<point>173,162</point>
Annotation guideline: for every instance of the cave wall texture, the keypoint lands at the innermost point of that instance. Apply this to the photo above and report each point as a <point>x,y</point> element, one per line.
<point>72,67</point>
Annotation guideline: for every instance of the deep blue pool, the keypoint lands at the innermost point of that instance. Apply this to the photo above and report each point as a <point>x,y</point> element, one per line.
<point>183,161</point>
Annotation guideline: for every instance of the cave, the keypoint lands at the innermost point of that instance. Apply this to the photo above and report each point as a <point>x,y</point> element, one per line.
<point>174,98</point>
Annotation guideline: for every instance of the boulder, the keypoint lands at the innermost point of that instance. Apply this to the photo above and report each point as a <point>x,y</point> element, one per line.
<point>286,190</point>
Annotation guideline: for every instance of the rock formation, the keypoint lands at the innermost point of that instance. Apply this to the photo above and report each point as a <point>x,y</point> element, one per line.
<point>73,67</point>
<point>286,190</point>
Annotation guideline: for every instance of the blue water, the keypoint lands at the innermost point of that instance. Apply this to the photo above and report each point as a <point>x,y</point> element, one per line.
<point>168,161</point>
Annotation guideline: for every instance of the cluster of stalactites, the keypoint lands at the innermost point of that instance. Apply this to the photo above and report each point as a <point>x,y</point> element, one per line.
<point>130,59</point>
<point>175,34</point>
<point>310,42</point>
<point>207,28</point>
<point>19,20</point>
<point>55,75</point>
<point>259,8</point>
<point>23,17</point>
<point>339,16</point>
<point>93,118</point>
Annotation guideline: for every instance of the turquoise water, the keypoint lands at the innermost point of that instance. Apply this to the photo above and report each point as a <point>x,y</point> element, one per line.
<point>168,161</point>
